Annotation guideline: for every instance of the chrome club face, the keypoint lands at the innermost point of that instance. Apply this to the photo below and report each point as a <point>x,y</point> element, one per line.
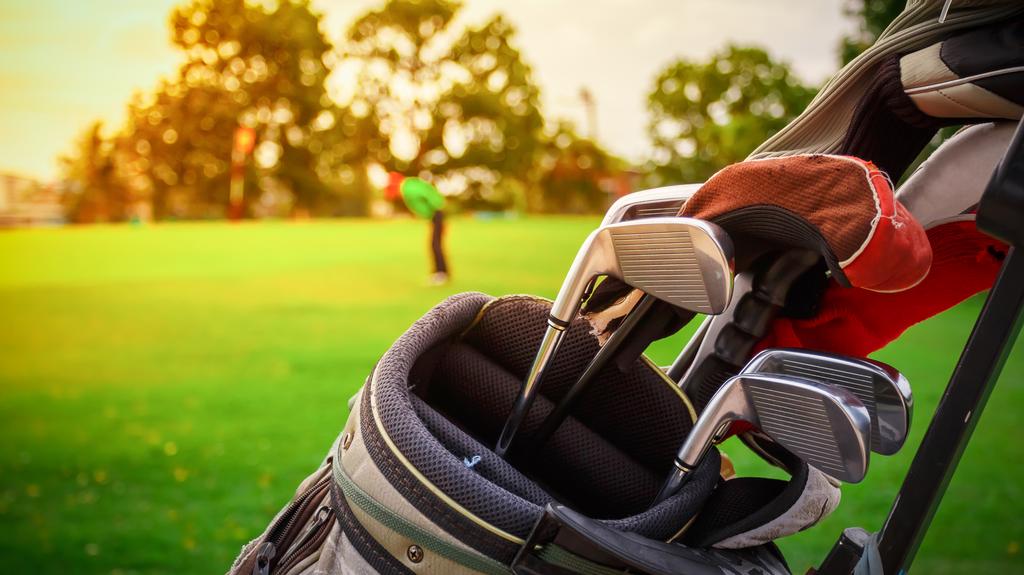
<point>881,388</point>
<point>826,426</point>
<point>683,261</point>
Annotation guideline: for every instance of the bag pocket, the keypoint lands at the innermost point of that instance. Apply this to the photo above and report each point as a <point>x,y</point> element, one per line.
<point>306,548</point>
<point>296,533</point>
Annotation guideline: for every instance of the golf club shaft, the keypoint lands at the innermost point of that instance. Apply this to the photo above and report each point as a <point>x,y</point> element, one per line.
<point>672,485</point>
<point>548,346</point>
<point>557,416</point>
<point>697,448</point>
<point>685,357</point>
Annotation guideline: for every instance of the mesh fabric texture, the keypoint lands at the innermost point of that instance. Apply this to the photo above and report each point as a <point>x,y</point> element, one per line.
<point>744,503</point>
<point>614,403</point>
<point>843,206</point>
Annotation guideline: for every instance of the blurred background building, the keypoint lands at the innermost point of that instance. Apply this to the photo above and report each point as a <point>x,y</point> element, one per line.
<point>27,202</point>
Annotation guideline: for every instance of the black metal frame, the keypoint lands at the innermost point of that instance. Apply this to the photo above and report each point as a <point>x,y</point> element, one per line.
<point>1000,214</point>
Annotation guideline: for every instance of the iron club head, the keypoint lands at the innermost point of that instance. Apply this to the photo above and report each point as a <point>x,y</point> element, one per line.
<point>826,426</point>
<point>881,388</point>
<point>683,261</point>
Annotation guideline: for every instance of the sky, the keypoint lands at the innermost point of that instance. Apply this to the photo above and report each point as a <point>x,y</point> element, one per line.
<point>66,64</point>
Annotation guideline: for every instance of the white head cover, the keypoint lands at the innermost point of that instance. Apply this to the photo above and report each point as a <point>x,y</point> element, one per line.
<point>952,179</point>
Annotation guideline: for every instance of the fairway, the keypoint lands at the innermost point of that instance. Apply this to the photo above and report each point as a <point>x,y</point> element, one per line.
<point>163,389</point>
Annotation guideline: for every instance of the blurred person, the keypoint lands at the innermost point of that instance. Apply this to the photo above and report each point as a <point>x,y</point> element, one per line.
<point>423,200</point>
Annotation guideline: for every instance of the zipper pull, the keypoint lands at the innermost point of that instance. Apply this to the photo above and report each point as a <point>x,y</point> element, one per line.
<point>318,520</point>
<point>264,555</point>
<point>321,516</point>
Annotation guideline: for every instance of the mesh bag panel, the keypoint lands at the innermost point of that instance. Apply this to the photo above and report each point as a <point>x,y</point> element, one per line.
<point>735,500</point>
<point>742,504</point>
<point>510,331</point>
<point>613,404</point>
<point>664,520</point>
<point>574,464</point>
<point>469,384</point>
<point>489,466</point>
<point>447,473</point>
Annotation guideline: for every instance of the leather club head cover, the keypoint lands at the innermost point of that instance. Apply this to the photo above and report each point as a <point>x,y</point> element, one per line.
<point>841,206</point>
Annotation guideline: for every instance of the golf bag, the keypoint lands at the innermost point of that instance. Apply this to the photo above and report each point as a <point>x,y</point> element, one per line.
<point>411,486</point>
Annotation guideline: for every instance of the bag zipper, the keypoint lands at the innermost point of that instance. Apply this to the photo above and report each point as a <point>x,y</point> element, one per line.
<point>313,537</point>
<point>267,550</point>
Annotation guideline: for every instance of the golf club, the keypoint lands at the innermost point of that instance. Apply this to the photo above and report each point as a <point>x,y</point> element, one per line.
<point>554,419</point>
<point>881,388</point>
<point>826,426</point>
<point>678,260</point>
<point>665,201</point>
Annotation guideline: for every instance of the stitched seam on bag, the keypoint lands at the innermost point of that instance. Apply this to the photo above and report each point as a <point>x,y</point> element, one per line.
<point>397,475</point>
<point>361,538</point>
<point>395,472</point>
<point>437,503</point>
<point>560,557</point>
<point>966,106</point>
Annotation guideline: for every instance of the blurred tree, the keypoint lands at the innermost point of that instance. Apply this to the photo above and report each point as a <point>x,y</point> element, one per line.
<point>97,194</point>
<point>872,17</point>
<point>705,116</point>
<point>575,175</point>
<point>464,110</point>
<point>257,65</point>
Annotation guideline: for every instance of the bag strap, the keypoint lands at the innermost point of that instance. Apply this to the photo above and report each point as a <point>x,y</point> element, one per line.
<point>562,530</point>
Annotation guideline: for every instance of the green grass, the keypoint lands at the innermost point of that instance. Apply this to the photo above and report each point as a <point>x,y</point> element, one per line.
<point>163,389</point>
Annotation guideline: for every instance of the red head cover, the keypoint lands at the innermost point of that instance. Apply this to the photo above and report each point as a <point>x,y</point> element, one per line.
<point>841,206</point>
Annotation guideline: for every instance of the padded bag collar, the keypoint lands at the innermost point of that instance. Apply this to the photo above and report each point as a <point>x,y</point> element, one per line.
<point>437,398</point>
